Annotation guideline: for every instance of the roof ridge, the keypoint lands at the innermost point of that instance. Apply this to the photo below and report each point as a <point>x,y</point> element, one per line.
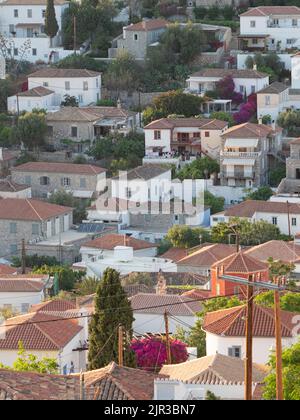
<point>31,205</point>
<point>270,314</point>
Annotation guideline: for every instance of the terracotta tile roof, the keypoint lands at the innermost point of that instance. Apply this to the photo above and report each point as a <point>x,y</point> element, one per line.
<point>34,386</point>
<point>170,123</point>
<point>217,369</point>
<point>235,74</point>
<point>7,269</point>
<point>197,294</point>
<point>88,114</point>
<point>297,141</point>
<point>62,168</point>
<point>8,154</point>
<point>110,241</point>
<point>241,263</point>
<point>38,91</point>
<point>275,87</point>
<point>176,279</point>
<point>175,254</point>
<point>279,250</point>
<point>155,304</point>
<point>43,335</point>
<point>134,289</point>
<point>52,72</point>
<point>56,305</point>
<point>148,25</point>
<point>145,172</point>
<point>248,130</point>
<point>114,382</point>
<point>249,207</point>
<point>272,10</point>
<point>231,322</point>
<point>207,255</point>
<point>10,186</point>
<point>14,285</point>
<point>29,209</point>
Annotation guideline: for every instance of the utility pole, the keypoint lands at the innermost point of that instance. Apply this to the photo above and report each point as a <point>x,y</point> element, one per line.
<point>74,34</point>
<point>279,383</point>
<point>249,342</point>
<point>23,257</point>
<point>168,345</point>
<point>82,391</point>
<point>288,213</point>
<point>120,345</point>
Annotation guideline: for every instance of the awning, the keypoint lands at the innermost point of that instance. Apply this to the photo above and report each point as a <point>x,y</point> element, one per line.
<point>82,194</point>
<point>247,162</point>
<point>254,36</point>
<point>241,143</point>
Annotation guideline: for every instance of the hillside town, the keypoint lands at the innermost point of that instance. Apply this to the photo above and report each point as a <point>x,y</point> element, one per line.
<point>150,202</point>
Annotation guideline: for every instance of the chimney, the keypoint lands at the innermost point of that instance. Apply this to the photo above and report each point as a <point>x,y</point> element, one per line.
<point>260,120</point>
<point>255,67</point>
<point>161,287</point>
<point>119,104</point>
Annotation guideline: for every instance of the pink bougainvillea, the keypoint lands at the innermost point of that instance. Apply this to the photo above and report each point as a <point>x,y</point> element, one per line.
<point>226,90</point>
<point>247,110</point>
<point>151,353</point>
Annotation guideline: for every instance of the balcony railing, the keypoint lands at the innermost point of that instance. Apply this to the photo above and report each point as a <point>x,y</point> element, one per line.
<point>241,154</point>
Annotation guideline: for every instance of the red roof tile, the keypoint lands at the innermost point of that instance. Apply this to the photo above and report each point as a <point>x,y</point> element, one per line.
<point>170,123</point>
<point>175,254</point>
<point>148,25</point>
<point>249,207</point>
<point>56,305</point>
<point>272,10</point>
<point>7,269</point>
<point>62,168</point>
<point>241,263</point>
<point>110,241</point>
<point>14,285</point>
<point>37,331</point>
<point>207,255</point>
<point>231,322</point>
<point>29,209</point>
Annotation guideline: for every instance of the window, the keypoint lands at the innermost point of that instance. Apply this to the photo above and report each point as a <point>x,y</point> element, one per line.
<point>254,41</point>
<point>80,99</point>
<point>252,89</point>
<point>207,134</point>
<point>29,13</point>
<point>82,183</point>
<point>35,229</point>
<point>67,85</point>
<point>136,37</point>
<point>274,220</point>
<point>34,51</point>
<point>43,13</point>
<point>241,89</point>
<point>268,100</point>
<point>85,86</point>
<point>16,13</point>
<point>44,180</point>
<point>74,132</point>
<point>25,308</point>
<point>50,130</point>
<point>16,52</point>
<point>28,180</point>
<point>128,192</point>
<point>218,290</point>
<point>294,221</point>
<point>295,22</point>
<point>45,84</point>
<point>235,351</point>
<point>97,82</point>
<point>157,135</point>
<point>11,28</point>
<point>66,182</point>
<point>13,249</point>
<point>13,227</point>
<point>252,24</point>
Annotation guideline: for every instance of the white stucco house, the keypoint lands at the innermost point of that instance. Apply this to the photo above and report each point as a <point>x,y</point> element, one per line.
<point>59,340</point>
<point>22,25</point>
<point>48,86</point>
<point>272,28</point>
<point>246,81</point>
<point>149,309</point>
<point>169,138</point>
<point>225,332</point>
<point>219,374</point>
<point>19,292</point>
<point>285,215</point>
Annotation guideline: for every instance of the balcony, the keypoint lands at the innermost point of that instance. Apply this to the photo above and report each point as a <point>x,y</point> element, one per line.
<point>237,174</point>
<point>251,155</point>
<point>192,141</point>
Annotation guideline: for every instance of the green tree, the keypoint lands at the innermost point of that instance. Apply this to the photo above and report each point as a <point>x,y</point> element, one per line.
<point>112,308</point>
<point>70,101</point>
<point>262,193</point>
<point>182,236</point>
<point>216,204</point>
<point>210,396</point>
<point>6,90</point>
<point>200,168</point>
<point>251,233</point>
<point>66,276</point>
<point>88,286</point>
<point>27,362</point>
<point>291,375</point>
<point>290,301</point>
<point>223,116</point>
<point>64,198</point>
<point>31,130</point>
<point>51,25</point>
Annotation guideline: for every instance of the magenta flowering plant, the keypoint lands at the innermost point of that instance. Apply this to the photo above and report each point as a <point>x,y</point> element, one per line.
<point>151,352</point>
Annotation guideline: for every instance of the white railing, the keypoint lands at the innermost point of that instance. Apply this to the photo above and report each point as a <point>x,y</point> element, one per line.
<point>241,154</point>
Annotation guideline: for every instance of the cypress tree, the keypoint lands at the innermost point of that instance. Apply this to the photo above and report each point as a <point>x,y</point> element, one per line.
<point>112,308</point>
<point>51,25</point>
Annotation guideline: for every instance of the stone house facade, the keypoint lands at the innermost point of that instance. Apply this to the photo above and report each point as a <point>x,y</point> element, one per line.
<point>84,181</point>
